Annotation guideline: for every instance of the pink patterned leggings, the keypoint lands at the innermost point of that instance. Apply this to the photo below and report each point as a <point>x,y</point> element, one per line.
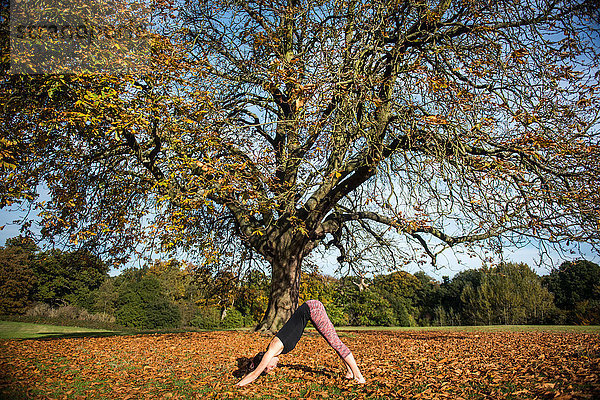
<point>319,317</point>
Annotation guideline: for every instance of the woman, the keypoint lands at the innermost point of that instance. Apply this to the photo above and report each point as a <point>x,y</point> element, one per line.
<point>286,339</point>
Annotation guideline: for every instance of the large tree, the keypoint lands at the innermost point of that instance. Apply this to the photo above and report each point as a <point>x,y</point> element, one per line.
<point>289,125</point>
<point>67,277</point>
<point>574,282</point>
<point>17,277</point>
<point>507,294</point>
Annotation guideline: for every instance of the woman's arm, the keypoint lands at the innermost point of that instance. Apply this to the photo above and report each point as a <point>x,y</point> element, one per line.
<point>275,348</point>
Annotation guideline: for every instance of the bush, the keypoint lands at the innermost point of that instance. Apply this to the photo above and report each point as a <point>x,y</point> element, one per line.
<point>141,304</point>
<point>162,314</point>
<point>210,318</point>
<point>249,321</point>
<point>131,315</point>
<point>233,319</point>
<point>207,318</point>
<point>154,315</point>
<point>65,312</point>
<point>68,312</point>
<point>39,310</point>
<point>370,309</point>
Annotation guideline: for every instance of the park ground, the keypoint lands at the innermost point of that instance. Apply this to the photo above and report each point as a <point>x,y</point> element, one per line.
<point>470,363</point>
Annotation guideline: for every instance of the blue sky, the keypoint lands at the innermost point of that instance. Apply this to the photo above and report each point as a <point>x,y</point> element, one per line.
<point>449,263</point>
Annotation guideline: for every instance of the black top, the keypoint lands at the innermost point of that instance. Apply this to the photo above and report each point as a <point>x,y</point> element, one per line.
<point>292,331</point>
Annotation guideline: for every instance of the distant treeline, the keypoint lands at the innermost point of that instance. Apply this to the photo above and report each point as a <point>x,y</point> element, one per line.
<point>76,285</point>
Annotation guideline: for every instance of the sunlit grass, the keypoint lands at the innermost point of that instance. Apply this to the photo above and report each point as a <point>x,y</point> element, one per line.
<point>485,328</point>
<point>26,330</point>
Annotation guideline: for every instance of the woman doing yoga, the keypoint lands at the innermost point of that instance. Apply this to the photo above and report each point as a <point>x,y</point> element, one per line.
<point>286,339</point>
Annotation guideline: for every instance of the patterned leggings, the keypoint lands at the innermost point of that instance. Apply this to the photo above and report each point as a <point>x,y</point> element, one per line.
<point>319,317</point>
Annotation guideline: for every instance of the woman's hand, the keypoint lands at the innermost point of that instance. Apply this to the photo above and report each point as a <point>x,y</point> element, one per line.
<point>247,379</point>
<point>268,362</point>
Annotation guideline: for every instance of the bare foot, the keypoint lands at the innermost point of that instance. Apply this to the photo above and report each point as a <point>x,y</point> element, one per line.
<point>360,379</point>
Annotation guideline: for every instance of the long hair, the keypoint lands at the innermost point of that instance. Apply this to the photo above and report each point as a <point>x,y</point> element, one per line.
<point>255,361</point>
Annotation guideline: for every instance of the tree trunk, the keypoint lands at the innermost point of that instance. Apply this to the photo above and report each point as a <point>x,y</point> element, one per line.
<point>285,285</point>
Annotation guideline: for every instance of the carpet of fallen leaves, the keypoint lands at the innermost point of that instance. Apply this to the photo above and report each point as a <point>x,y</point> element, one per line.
<point>419,365</point>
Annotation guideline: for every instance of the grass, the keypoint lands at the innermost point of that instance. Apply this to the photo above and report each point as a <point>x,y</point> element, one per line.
<point>25,330</point>
<point>485,328</point>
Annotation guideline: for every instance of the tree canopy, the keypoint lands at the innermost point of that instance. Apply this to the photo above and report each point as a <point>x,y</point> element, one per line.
<point>575,282</point>
<point>271,128</point>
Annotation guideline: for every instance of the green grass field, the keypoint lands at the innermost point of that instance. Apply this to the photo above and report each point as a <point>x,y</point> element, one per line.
<point>24,330</point>
<point>488,328</point>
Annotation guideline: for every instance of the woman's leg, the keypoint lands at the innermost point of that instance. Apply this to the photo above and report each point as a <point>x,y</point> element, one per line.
<point>353,367</point>
<point>319,317</point>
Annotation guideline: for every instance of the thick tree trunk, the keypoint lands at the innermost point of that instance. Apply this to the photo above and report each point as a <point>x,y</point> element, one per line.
<point>285,285</point>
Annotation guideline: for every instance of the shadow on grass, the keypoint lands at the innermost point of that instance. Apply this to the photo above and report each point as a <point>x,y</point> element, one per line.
<point>37,329</point>
<point>101,334</point>
<point>63,335</point>
<point>10,394</point>
<point>316,371</point>
<point>244,362</point>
